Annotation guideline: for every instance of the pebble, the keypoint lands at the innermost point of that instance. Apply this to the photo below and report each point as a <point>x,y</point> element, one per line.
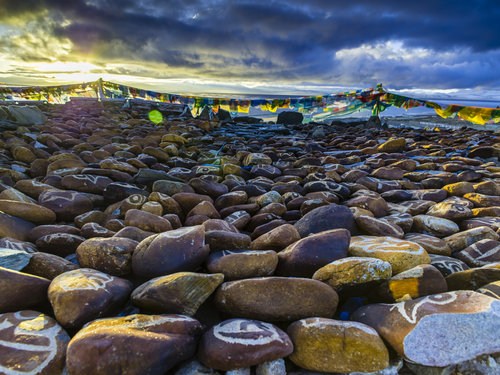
<point>160,341</point>
<point>105,215</point>
<point>420,328</point>
<point>401,254</point>
<point>276,298</point>
<point>329,345</point>
<point>240,343</point>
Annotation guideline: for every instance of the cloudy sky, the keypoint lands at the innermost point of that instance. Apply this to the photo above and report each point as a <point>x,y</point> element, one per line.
<point>224,45</point>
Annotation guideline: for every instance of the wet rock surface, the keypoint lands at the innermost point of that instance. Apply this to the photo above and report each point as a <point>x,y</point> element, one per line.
<point>289,248</point>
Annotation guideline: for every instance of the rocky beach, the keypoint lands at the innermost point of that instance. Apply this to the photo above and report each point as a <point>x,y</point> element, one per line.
<point>216,245</point>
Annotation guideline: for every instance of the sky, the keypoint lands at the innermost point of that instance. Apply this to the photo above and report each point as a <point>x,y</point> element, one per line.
<point>254,46</point>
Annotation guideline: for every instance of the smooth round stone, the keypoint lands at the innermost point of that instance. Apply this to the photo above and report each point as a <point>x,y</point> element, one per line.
<point>416,207</point>
<point>261,219</point>
<point>492,222</point>
<point>268,171</point>
<point>329,345</point>
<point>325,218</point>
<point>154,208</point>
<point>21,290</point>
<point>481,253</point>
<point>95,216</point>
<point>28,211</point>
<point>434,226</point>
<point>276,298</point>
<point>211,188</point>
<point>23,154</point>
<point>133,233</point>
<point>86,183</point>
<point>160,341</point>
<point>48,266</point>
<point>435,195</point>
<point>269,198</point>
<point>447,265</point>
<point>15,195</point>
<point>32,343</point>
<point>459,189</point>
<point>177,250</point>
<point>61,244</point>
<point>231,199</point>
<point>451,211</point>
<point>91,230</point>
<point>378,227</point>
<point>219,225</point>
<point>146,221</point>
<point>118,165</point>
<point>134,201</point>
<point>416,282</point>
<point>241,343</point>
<point>388,173</point>
<point>204,208</point>
<point>277,238</point>
<point>401,254</point>
<point>169,204</point>
<point>257,159</point>
<point>402,220</point>
<point>306,256</point>
<point>118,191</point>
<point>171,187</point>
<point>14,227</point>
<point>461,240</point>
<point>431,244</point>
<point>33,188</point>
<point>393,145</point>
<point>474,278</point>
<point>491,289</point>
<point>82,295</point>
<point>242,264</point>
<point>376,205</point>
<point>110,255</point>
<point>487,188</point>
<point>66,204</point>
<point>239,219</point>
<point>178,293</point>
<point>189,200</point>
<point>420,328</point>
<point>353,271</point>
<point>483,200</point>
<point>43,230</point>
<point>222,240</point>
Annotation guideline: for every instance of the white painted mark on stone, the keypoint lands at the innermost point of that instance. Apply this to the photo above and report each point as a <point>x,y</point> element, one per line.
<point>41,331</point>
<point>437,299</point>
<point>247,332</point>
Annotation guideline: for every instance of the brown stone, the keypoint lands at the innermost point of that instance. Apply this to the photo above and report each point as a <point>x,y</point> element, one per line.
<point>177,293</point>
<point>32,343</point>
<point>160,341</point>
<point>110,255</point>
<point>146,221</point>
<point>306,256</point>
<point>242,264</point>
<point>276,298</point>
<point>20,290</point>
<point>241,343</point>
<point>329,345</point>
<point>276,239</point>
<point>82,295</point>
<point>177,250</point>
<point>48,265</point>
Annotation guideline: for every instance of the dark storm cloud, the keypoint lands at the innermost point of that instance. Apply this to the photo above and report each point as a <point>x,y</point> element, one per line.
<point>292,40</point>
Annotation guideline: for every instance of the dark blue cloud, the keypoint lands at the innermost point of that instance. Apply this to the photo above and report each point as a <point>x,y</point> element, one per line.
<point>314,40</point>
